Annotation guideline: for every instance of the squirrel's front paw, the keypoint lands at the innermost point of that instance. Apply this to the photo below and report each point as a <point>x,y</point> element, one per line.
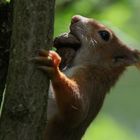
<point>48,62</point>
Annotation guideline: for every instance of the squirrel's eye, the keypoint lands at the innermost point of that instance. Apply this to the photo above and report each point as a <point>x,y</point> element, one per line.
<point>105,35</point>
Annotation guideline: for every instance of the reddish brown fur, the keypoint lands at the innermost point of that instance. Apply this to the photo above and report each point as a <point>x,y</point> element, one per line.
<point>80,92</point>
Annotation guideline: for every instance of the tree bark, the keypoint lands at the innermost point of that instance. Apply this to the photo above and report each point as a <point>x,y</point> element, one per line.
<point>5,34</point>
<point>25,105</point>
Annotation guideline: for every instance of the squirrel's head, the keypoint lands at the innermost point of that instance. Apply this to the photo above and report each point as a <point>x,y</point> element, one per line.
<point>100,46</point>
<point>92,43</point>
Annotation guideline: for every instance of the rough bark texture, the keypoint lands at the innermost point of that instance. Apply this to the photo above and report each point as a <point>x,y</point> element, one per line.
<point>24,111</point>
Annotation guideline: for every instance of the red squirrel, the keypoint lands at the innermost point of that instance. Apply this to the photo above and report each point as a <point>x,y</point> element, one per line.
<point>92,59</point>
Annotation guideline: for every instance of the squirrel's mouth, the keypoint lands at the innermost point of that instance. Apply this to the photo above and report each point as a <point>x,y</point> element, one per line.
<point>67,45</point>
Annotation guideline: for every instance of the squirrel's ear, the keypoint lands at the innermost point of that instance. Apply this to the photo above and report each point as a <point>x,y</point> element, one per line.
<point>127,57</point>
<point>138,58</point>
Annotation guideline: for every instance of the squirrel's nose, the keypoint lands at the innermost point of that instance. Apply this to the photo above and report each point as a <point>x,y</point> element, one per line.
<point>78,18</point>
<point>75,19</point>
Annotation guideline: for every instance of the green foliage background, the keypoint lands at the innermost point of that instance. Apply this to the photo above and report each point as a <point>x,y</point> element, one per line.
<point>119,118</point>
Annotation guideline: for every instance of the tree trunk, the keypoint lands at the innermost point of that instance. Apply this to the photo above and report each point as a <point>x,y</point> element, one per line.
<point>5,34</point>
<point>24,111</point>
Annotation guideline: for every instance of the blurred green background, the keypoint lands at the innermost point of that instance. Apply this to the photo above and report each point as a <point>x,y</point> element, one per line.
<point>119,118</point>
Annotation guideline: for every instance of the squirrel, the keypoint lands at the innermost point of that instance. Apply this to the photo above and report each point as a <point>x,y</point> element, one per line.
<point>88,62</point>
